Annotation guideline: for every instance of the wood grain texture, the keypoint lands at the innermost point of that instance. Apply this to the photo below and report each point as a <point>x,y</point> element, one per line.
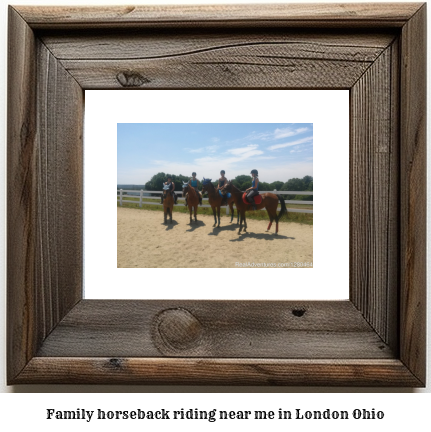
<point>413,194</point>
<point>197,371</point>
<point>55,337</point>
<point>227,329</point>
<point>300,14</point>
<point>286,61</point>
<point>21,208</point>
<point>141,44</point>
<point>45,105</point>
<point>204,59</point>
<point>374,194</point>
<point>59,182</point>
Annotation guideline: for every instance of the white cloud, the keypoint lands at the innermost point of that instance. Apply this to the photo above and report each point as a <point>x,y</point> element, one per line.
<point>198,150</point>
<point>290,144</point>
<point>241,153</point>
<point>205,159</point>
<point>209,149</point>
<point>266,157</point>
<point>288,132</point>
<point>274,135</point>
<point>243,150</point>
<point>211,166</point>
<point>236,161</point>
<point>212,149</point>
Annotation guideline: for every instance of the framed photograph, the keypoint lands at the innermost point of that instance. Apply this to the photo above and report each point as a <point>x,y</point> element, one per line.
<point>376,337</point>
<point>145,136</point>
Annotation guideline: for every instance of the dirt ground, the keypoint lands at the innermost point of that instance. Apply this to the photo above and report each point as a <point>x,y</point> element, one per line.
<point>144,241</point>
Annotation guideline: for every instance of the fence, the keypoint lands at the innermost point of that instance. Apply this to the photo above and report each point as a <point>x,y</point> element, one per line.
<point>121,200</point>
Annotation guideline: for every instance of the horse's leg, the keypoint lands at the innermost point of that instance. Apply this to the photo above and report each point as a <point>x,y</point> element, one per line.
<point>165,216</point>
<point>271,219</point>
<point>190,210</point>
<point>170,213</point>
<point>196,209</point>
<point>218,216</point>
<point>215,219</point>
<point>245,223</point>
<point>270,223</point>
<point>275,217</point>
<point>240,224</point>
<point>231,212</point>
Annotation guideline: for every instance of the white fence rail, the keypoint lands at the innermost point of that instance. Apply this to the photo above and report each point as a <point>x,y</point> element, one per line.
<point>144,194</point>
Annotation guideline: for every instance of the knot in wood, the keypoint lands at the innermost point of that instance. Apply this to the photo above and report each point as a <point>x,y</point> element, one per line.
<point>298,312</point>
<point>178,328</point>
<point>131,79</point>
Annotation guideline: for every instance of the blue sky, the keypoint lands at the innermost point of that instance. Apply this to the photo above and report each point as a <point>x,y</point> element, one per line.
<point>279,151</point>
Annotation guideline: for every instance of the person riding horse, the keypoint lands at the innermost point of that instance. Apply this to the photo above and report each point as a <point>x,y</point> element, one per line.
<point>221,182</point>
<point>254,189</point>
<point>171,185</point>
<point>194,183</point>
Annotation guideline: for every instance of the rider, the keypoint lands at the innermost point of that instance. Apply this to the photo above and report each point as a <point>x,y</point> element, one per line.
<point>254,190</point>
<point>221,182</point>
<point>171,185</point>
<point>194,183</point>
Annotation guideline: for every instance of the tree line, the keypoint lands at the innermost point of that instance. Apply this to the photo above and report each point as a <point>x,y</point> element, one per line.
<point>242,182</point>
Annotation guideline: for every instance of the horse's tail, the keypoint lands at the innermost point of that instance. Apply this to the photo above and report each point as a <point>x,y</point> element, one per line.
<point>283,210</point>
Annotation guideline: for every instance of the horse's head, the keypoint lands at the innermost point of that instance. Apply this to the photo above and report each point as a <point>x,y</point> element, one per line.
<point>206,184</point>
<point>227,186</point>
<point>165,189</point>
<point>185,188</point>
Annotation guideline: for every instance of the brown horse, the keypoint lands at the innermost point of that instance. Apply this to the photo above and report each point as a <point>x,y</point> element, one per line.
<point>269,202</point>
<point>168,204</point>
<point>192,199</point>
<point>215,201</point>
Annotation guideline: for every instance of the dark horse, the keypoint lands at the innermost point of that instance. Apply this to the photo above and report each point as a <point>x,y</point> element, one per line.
<point>192,199</point>
<point>215,200</point>
<point>269,201</point>
<point>168,203</point>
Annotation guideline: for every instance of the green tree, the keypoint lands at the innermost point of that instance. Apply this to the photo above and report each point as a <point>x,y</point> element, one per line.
<point>264,186</point>
<point>276,185</point>
<point>245,185</point>
<point>294,184</point>
<point>307,180</point>
<point>310,188</point>
<point>178,180</point>
<point>241,180</point>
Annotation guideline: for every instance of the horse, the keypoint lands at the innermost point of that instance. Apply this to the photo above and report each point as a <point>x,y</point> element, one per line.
<point>269,202</point>
<point>168,203</point>
<point>192,199</point>
<point>215,200</point>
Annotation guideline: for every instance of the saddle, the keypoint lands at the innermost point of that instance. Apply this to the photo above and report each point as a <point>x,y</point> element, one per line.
<point>257,199</point>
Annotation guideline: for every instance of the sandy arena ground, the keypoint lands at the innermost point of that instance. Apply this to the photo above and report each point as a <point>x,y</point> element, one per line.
<point>144,241</point>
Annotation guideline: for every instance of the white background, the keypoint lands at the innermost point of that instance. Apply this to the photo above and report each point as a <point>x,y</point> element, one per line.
<point>403,411</point>
<point>329,113</point>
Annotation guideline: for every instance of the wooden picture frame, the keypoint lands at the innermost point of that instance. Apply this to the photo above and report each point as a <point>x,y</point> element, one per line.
<point>376,338</point>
